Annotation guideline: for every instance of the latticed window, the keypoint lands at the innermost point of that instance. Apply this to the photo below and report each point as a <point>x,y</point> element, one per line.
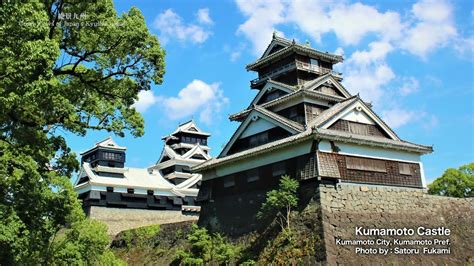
<point>360,129</point>
<point>365,164</point>
<point>112,156</point>
<point>404,168</point>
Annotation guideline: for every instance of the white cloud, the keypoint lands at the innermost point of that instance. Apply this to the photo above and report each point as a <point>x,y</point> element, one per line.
<point>410,85</point>
<point>434,28</point>
<point>397,117</point>
<point>316,17</point>
<point>465,47</point>
<point>429,26</point>
<point>366,72</point>
<point>198,97</point>
<point>377,53</point>
<point>203,16</point>
<point>368,81</point>
<point>339,51</point>
<point>263,16</point>
<point>171,26</point>
<point>145,100</point>
<point>353,22</point>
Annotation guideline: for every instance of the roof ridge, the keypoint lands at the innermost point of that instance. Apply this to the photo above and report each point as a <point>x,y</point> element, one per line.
<point>338,107</point>
<point>290,96</point>
<point>283,119</point>
<point>189,121</point>
<point>281,83</point>
<point>314,81</point>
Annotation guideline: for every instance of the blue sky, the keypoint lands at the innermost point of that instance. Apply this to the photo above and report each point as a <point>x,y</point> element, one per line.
<point>412,59</point>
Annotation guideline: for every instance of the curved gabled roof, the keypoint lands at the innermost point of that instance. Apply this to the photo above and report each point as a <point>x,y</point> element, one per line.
<point>107,143</point>
<point>291,47</point>
<point>139,178</point>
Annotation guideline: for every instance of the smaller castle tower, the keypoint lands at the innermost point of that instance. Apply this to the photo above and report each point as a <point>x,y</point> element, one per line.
<point>105,182</point>
<point>105,153</point>
<point>184,148</point>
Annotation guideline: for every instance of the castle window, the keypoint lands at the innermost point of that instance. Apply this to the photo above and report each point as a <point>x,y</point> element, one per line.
<point>356,128</point>
<point>112,156</point>
<point>252,175</point>
<point>365,164</point>
<point>130,190</point>
<point>229,181</point>
<point>149,192</point>
<point>313,62</point>
<point>278,169</point>
<point>110,189</point>
<point>404,168</point>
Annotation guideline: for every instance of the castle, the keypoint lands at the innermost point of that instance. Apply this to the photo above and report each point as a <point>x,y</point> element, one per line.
<point>164,192</point>
<point>305,124</point>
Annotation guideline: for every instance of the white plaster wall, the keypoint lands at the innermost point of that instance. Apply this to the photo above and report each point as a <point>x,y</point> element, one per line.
<point>257,161</point>
<point>371,152</point>
<point>256,127</point>
<point>359,117</point>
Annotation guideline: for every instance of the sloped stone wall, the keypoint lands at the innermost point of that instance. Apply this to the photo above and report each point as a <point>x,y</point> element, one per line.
<point>345,207</point>
<point>120,219</point>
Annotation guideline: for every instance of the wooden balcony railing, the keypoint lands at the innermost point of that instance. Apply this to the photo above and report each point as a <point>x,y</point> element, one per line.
<point>298,65</point>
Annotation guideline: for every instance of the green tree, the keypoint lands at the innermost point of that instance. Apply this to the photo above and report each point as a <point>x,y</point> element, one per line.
<point>280,202</point>
<point>65,66</point>
<point>455,182</point>
<point>85,242</point>
<point>205,249</point>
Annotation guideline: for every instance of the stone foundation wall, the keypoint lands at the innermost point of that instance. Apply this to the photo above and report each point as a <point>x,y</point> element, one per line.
<point>345,207</point>
<point>119,219</point>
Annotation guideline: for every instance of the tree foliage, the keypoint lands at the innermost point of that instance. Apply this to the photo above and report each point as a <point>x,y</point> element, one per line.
<point>85,242</point>
<point>65,66</point>
<point>280,202</point>
<point>205,248</point>
<point>455,182</point>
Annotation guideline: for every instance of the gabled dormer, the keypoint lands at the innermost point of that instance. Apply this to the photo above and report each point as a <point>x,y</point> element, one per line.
<point>261,126</point>
<point>105,153</point>
<point>292,63</point>
<point>187,133</point>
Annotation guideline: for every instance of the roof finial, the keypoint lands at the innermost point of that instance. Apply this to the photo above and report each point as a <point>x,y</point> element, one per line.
<point>308,43</point>
<point>293,42</point>
<point>274,34</point>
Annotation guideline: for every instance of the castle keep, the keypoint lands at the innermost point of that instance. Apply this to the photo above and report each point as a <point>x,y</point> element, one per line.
<point>303,123</point>
<point>164,192</point>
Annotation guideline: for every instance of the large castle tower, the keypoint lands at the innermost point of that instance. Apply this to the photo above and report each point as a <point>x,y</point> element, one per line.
<point>303,123</point>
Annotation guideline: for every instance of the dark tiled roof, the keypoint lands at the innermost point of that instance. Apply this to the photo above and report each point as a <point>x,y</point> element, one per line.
<point>295,47</point>
<point>288,122</point>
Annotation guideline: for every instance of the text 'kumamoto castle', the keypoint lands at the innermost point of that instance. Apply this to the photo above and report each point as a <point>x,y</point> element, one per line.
<point>302,123</point>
